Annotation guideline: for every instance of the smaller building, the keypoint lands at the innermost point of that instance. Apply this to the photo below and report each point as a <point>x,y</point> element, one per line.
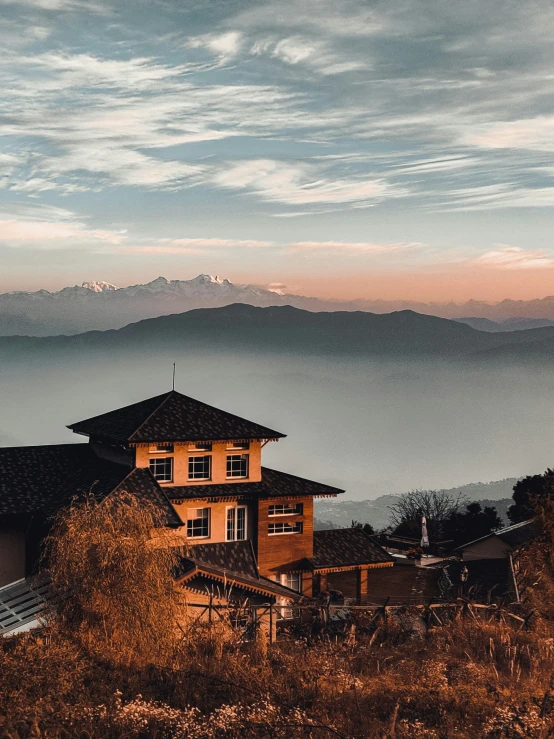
<point>498,544</point>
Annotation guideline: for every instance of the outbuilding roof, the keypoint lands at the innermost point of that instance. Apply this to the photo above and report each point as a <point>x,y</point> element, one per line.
<point>336,548</point>
<point>171,417</point>
<point>232,564</point>
<point>272,485</point>
<point>43,479</point>
<point>513,536</point>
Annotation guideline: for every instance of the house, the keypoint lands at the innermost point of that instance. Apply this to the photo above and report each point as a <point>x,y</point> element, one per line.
<point>498,544</point>
<point>247,528</point>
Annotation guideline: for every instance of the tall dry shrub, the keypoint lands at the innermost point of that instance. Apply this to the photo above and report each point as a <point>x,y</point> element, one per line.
<point>111,569</point>
<point>536,563</point>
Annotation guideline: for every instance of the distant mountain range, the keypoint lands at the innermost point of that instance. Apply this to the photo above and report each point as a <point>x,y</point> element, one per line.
<point>340,513</point>
<point>284,329</point>
<point>510,324</point>
<point>102,306</point>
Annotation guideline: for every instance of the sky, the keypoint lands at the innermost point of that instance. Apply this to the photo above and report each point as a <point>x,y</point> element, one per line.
<point>398,149</point>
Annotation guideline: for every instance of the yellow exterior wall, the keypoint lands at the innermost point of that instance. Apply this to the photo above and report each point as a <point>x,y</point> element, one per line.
<point>218,516</point>
<point>218,454</point>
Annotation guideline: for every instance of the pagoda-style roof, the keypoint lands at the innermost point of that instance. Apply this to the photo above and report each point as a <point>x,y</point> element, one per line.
<point>43,479</point>
<point>171,417</point>
<point>230,563</point>
<point>274,484</point>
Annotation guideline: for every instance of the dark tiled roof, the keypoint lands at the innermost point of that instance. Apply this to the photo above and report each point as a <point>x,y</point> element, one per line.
<point>343,547</point>
<point>235,556</point>
<point>43,479</point>
<point>171,417</point>
<point>229,561</point>
<point>273,484</point>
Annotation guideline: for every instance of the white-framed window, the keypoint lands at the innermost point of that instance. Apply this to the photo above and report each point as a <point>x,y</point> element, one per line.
<point>198,523</point>
<point>200,468</point>
<point>284,528</point>
<point>292,580</point>
<point>200,446</point>
<point>238,445</point>
<point>162,469</point>
<point>237,465</point>
<point>236,523</point>
<point>286,509</point>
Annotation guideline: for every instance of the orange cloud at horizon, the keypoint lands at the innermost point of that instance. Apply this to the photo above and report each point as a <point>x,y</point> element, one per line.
<point>455,283</point>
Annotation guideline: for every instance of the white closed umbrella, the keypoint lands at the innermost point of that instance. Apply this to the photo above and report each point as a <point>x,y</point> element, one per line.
<point>424,535</point>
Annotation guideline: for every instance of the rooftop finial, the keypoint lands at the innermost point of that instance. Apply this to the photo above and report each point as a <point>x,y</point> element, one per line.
<point>173,387</point>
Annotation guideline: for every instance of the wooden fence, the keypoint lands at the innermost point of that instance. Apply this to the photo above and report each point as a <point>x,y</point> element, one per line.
<point>281,622</point>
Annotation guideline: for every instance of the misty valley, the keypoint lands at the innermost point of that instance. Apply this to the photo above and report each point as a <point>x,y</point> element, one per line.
<point>370,426</point>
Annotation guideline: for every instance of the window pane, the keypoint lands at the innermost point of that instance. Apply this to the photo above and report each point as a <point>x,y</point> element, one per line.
<point>204,446</point>
<point>161,448</point>
<point>292,580</point>
<point>286,509</point>
<point>284,528</point>
<point>231,524</point>
<point>236,524</point>
<point>162,469</point>
<point>198,522</point>
<point>241,524</point>
<point>237,465</point>
<point>200,468</point>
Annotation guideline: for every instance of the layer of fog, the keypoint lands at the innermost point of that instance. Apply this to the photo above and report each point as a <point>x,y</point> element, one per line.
<point>369,428</point>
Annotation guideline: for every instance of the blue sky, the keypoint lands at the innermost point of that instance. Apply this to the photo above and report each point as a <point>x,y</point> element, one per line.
<point>349,149</point>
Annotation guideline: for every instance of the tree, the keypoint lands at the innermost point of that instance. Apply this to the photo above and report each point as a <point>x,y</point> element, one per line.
<point>528,492</point>
<point>112,579</point>
<point>365,527</point>
<point>471,524</point>
<point>436,506</point>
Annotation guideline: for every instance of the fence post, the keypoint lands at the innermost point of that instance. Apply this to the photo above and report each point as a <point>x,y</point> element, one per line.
<point>271,623</point>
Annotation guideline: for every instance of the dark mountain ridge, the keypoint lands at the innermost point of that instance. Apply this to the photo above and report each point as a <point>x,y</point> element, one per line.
<point>241,327</point>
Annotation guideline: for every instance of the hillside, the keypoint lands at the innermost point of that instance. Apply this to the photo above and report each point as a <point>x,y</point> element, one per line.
<point>341,513</point>
<point>243,328</point>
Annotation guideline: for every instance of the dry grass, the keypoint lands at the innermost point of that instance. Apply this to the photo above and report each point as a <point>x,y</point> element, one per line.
<point>465,680</point>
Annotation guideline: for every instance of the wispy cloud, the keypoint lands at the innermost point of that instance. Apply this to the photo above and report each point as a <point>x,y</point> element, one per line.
<point>532,133</point>
<point>223,45</point>
<point>316,55</point>
<point>350,247</point>
<point>52,234</point>
<point>195,246</point>
<point>513,257</point>
<point>299,184</point>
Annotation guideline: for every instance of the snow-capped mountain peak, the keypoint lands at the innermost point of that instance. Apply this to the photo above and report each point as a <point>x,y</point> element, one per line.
<point>99,287</point>
<point>210,280</point>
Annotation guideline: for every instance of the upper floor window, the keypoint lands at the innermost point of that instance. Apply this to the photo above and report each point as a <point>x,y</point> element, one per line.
<point>237,465</point>
<point>238,445</point>
<point>200,468</point>
<point>198,523</point>
<point>162,469</point>
<point>236,524</point>
<point>160,449</point>
<point>284,528</point>
<point>200,446</point>
<point>286,509</point>
<point>292,580</point>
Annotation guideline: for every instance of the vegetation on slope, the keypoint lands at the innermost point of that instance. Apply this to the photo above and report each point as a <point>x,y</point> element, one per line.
<point>92,674</point>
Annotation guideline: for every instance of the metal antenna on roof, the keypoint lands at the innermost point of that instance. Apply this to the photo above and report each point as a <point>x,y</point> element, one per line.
<point>173,388</point>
